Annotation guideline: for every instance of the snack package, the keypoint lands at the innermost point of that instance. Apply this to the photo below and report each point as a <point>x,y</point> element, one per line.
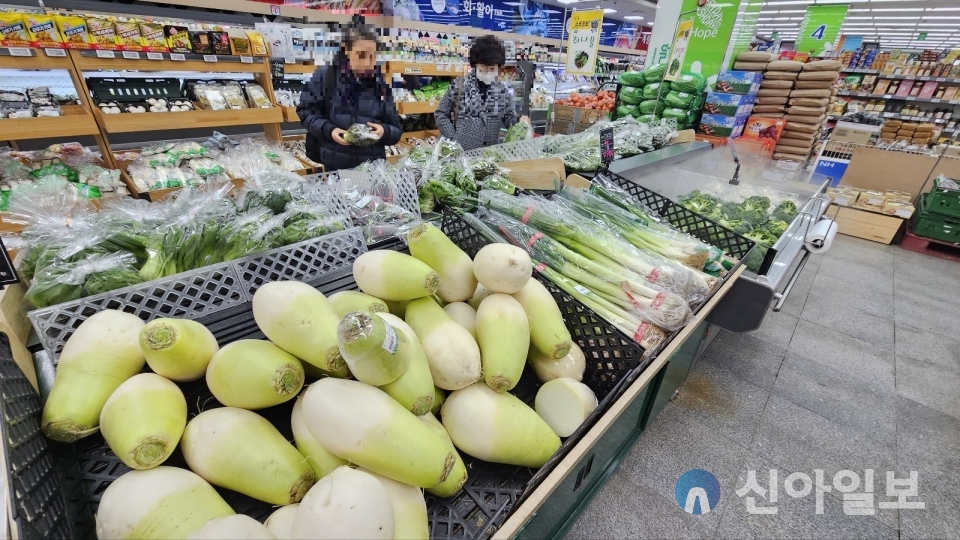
<point>258,46</point>
<point>152,37</point>
<point>128,35</point>
<point>221,43</point>
<point>239,42</point>
<point>43,30</point>
<point>13,30</point>
<point>201,42</point>
<point>233,93</point>
<point>103,33</point>
<point>258,96</point>
<point>74,31</point>
<point>178,38</point>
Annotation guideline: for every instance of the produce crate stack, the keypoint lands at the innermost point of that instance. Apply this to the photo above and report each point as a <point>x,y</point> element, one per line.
<point>807,97</point>
<point>908,133</point>
<point>648,98</point>
<point>938,217</point>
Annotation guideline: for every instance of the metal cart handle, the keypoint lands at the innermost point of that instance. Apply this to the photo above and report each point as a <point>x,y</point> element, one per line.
<point>782,297</point>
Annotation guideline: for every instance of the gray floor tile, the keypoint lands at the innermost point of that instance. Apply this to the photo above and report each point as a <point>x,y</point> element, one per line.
<point>727,404</point>
<point>881,275</point>
<point>776,329</point>
<point>840,311</point>
<point>923,345</point>
<point>928,274</point>
<point>750,358</point>
<point>931,311</point>
<point>625,508</point>
<point>940,495</point>
<point>862,295</point>
<point>867,361</point>
<point>798,295</point>
<point>870,411</point>
<point>800,440</point>
<point>929,384</point>
<point>860,251</point>
<point>927,438</point>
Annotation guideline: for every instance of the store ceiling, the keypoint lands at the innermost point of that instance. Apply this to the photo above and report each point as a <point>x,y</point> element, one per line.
<point>635,11</point>
<point>895,24</point>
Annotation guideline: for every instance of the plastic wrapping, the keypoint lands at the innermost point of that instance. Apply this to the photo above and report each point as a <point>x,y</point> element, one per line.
<point>374,204</point>
<point>69,280</point>
<point>446,179</point>
<point>360,135</point>
<point>519,132</point>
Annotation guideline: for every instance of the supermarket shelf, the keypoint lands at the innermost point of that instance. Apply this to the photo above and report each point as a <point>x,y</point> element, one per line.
<point>299,68</point>
<point>427,70</point>
<point>903,77</point>
<point>861,71</point>
<point>130,123</point>
<point>85,61</point>
<point>290,114</point>
<point>419,107</point>
<point>75,122</point>
<point>36,60</point>
<point>901,98</point>
<point>895,116</point>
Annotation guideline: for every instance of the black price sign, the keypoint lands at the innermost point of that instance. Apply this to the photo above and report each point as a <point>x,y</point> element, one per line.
<point>7,274</point>
<point>606,145</point>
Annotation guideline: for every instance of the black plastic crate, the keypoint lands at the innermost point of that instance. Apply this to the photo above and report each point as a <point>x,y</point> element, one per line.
<point>67,481</point>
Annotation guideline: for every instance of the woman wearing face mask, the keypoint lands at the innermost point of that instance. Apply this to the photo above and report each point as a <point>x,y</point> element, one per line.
<point>476,106</point>
<point>349,91</point>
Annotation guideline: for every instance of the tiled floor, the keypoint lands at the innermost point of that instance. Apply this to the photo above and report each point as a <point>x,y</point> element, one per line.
<point>861,370</point>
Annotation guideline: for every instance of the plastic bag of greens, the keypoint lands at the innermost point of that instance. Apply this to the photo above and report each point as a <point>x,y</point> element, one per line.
<point>483,167</point>
<point>655,90</point>
<point>270,187</point>
<point>585,160</point>
<point>631,96</point>
<point>647,118</point>
<point>650,106</point>
<point>654,73</point>
<point>632,78</point>
<point>690,83</point>
<point>360,135</point>
<point>678,114</point>
<point>678,100</point>
<point>626,110</point>
<point>519,132</point>
<point>500,183</point>
<point>374,203</point>
<point>66,281</point>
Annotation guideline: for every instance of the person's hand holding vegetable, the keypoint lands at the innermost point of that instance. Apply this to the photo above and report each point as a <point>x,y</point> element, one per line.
<point>337,136</point>
<point>377,129</point>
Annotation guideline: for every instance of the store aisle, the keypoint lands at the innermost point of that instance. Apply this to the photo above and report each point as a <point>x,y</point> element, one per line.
<point>861,370</point>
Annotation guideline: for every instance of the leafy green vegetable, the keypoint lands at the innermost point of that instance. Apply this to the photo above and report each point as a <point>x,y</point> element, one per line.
<point>360,135</point>
<point>519,132</point>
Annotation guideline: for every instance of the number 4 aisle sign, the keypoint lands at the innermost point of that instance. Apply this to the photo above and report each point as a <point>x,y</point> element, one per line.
<point>819,29</point>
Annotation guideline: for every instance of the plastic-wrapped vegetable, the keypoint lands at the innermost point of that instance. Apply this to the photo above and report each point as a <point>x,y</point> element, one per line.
<point>647,118</point>
<point>678,114</point>
<point>66,281</point>
<point>691,83</point>
<point>632,78</point>
<point>519,132</point>
<point>626,110</point>
<point>587,160</point>
<point>679,100</point>
<point>650,106</point>
<point>500,183</point>
<point>631,96</point>
<point>655,90</point>
<point>654,73</point>
<point>484,167</point>
<point>360,135</point>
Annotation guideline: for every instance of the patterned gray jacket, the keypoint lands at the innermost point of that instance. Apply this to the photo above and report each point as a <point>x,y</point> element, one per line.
<point>464,117</point>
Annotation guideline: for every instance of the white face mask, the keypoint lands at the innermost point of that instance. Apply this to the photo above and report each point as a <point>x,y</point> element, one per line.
<point>487,77</point>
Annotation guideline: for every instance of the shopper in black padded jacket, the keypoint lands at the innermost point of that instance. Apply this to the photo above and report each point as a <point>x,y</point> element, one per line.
<point>351,90</point>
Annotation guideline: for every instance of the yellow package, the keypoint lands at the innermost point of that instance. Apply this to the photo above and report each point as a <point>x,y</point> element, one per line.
<point>13,30</point>
<point>153,38</point>
<point>258,47</point>
<point>128,35</point>
<point>239,42</point>
<point>103,33</point>
<point>74,31</point>
<point>43,30</point>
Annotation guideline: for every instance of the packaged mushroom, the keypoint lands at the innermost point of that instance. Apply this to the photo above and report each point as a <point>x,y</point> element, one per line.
<point>157,105</point>
<point>233,93</point>
<point>212,98</point>
<point>135,107</point>
<point>178,105</point>
<point>109,107</point>
<point>258,96</point>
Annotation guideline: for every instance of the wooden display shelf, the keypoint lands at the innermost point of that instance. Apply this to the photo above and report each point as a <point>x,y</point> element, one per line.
<point>39,60</point>
<point>74,122</point>
<point>84,62</point>
<point>290,114</point>
<point>427,70</point>
<point>139,122</point>
<point>418,107</point>
<point>299,68</point>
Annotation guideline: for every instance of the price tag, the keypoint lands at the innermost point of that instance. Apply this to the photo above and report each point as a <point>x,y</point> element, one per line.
<point>210,58</point>
<point>440,67</point>
<point>941,79</point>
<point>106,54</point>
<point>154,56</point>
<point>911,98</point>
<point>924,78</point>
<point>7,274</point>
<point>413,70</point>
<point>20,51</point>
<point>954,101</point>
<point>56,53</point>
<point>179,57</point>
<point>246,59</point>
<point>935,100</point>
<point>581,289</point>
<point>131,55</point>
<point>606,145</point>
<point>274,9</point>
<point>887,96</point>
<point>289,60</point>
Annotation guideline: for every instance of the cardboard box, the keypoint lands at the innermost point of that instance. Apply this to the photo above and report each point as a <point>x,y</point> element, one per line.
<point>843,196</point>
<point>895,195</point>
<point>567,113</point>
<point>739,82</point>
<point>728,104</point>
<point>719,125</point>
<point>865,224</point>
<point>897,208</point>
<point>871,200</point>
<point>847,133</point>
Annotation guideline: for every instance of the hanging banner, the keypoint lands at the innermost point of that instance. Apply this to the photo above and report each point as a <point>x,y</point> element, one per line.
<point>849,43</point>
<point>819,29</point>
<point>710,36</point>
<point>748,28</point>
<point>432,11</point>
<point>681,42</point>
<point>583,42</point>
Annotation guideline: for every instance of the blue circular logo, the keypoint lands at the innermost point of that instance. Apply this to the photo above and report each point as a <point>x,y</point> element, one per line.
<point>697,491</point>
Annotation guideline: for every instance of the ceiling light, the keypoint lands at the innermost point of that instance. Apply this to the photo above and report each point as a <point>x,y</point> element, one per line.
<point>633,17</point>
<point>567,1</point>
<point>790,2</point>
<point>609,10</point>
<point>897,9</point>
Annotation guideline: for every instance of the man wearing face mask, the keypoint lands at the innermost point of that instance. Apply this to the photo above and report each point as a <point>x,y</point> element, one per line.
<point>477,106</point>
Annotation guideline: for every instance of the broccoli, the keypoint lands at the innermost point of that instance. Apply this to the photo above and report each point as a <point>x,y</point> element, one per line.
<point>761,236</point>
<point>776,227</point>
<point>786,207</point>
<point>750,215</point>
<point>700,203</point>
<point>757,202</point>
<point>729,209</point>
<point>736,225</point>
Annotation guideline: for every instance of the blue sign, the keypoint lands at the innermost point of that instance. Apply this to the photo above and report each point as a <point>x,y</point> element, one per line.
<point>431,11</point>
<point>697,491</point>
<point>832,168</point>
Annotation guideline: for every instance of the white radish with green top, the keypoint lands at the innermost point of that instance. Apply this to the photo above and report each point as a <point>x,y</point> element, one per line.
<point>280,522</point>
<point>548,332</point>
<point>564,404</point>
<point>374,351</point>
<point>300,320</point>
<point>498,427</point>
<point>178,349</point>
<point>503,335</point>
<point>344,302</point>
<point>235,527</point>
<point>254,374</point>
<point>464,314</point>
<point>453,354</point>
<point>103,352</point>
<point>320,459</point>
<point>346,504</point>
<point>240,450</point>
<point>428,244</point>
<point>365,426</point>
<point>458,475</point>
<point>143,420</point>
<point>478,296</point>
<point>570,366</point>
<point>410,521</point>
<point>414,388</point>
<point>393,276</point>
<point>502,268</point>
<point>159,503</point>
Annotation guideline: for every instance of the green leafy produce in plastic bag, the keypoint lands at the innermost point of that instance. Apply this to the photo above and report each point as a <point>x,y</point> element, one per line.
<point>654,90</point>
<point>650,106</point>
<point>679,100</point>
<point>691,83</point>
<point>499,182</point>
<point>587,160</point>
<point>631,96</point>
<point>654,73</point>
<point>626,110</point>
<point>679,114</point>
<point>360,135</point>
<point>647,118</point>
<point>519,132</point>
<point>632,78</point>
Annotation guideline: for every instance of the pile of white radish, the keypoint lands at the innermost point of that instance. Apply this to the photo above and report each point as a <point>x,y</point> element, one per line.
<point>430,332</point>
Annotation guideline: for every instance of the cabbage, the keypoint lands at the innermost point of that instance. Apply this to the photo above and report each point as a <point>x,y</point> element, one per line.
<point>690,83</point>
<point>680,100</point>
<point>632,78</point>
<point>654,73</point>
<point>631,96</point>
<point>651,106</point>
<point>652,91</point>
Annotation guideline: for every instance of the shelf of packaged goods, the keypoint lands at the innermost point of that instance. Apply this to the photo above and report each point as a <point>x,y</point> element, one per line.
<point>35,59</point>
<point>902,98</point>
<point>74,122</point>
<point>139,122</point>
<point>299,68</point>
<point>425,69</point>
<point>290,114</point>
<point>85,61</point>
<point>899,77</point>
<point>417,107</point>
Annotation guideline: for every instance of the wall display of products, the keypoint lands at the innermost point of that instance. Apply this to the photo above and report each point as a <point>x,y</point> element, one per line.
<point>30,102</point>
<point>70,166</point>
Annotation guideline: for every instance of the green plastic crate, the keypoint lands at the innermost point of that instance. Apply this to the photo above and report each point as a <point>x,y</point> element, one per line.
<point>931,225</point>
<point>944,202</point>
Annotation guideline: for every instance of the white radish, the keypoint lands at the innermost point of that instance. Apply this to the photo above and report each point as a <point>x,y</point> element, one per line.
<point>464,314</point>
<point>478,296</point>
<point>253,374</point>
<point>428,244</point>
<point>240,450</point>
<point>235,527</point>
<point>320,459</point>
<point>564,404</point>
<point>143,420</point>
<point>178,349</point>
<point>453,354</point>
<point>375,353</point>
<point>394,276</point>
<point>103,352</point>
<point>280,522</point>
<point>159,503</point>
<point>414,388</point>
<point>570,366</point>
<point>300,320</point>
<point>439,396</point>
<point>458,475</point>
<point>502,268</point>
<point>344,302</point>
<point>346,504</point>
<point>503,335</point>
<point>410,521</point>
<point>548,332</point>
<point>497,427</point>
<point>398,308</point>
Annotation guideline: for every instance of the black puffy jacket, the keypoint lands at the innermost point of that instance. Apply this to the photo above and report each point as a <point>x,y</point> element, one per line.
<point>354,100</point>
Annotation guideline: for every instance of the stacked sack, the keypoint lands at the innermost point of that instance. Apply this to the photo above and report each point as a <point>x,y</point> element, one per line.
<point>906,132</point>
<point>648,98</point>
<point>805,105</point>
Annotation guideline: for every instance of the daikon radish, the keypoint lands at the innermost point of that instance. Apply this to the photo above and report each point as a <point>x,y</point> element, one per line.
<point>410,521</point>
<point>430,245</point>
<point>458,475</point>
<point>439,396</point>
<point>503,334</point>
<point>320,459</point>
<point>478,296</point>
<point>344,302</point>
<point>311,370</point>
<point>502,268</point>
<point>497,427</point>
<point>143,420</point>
<point>240,450</point>
<point>548,332</point>
<point>453,354</point>
<point>394,276</point>
<point>160,503</point>
<point>564,404</point>
<point>300,320</point>
<point>346,504</point>
<point>178,349</point>
<point>398,308</point>
<point>375,353</point>
<point>363,425</point>
<point>414,388</point>
<point>253,374</point>
<point>103,352</point>
<point>235,527</point>
<point>280,522</point>
<point>465,316</point>
<point>570,366</point>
